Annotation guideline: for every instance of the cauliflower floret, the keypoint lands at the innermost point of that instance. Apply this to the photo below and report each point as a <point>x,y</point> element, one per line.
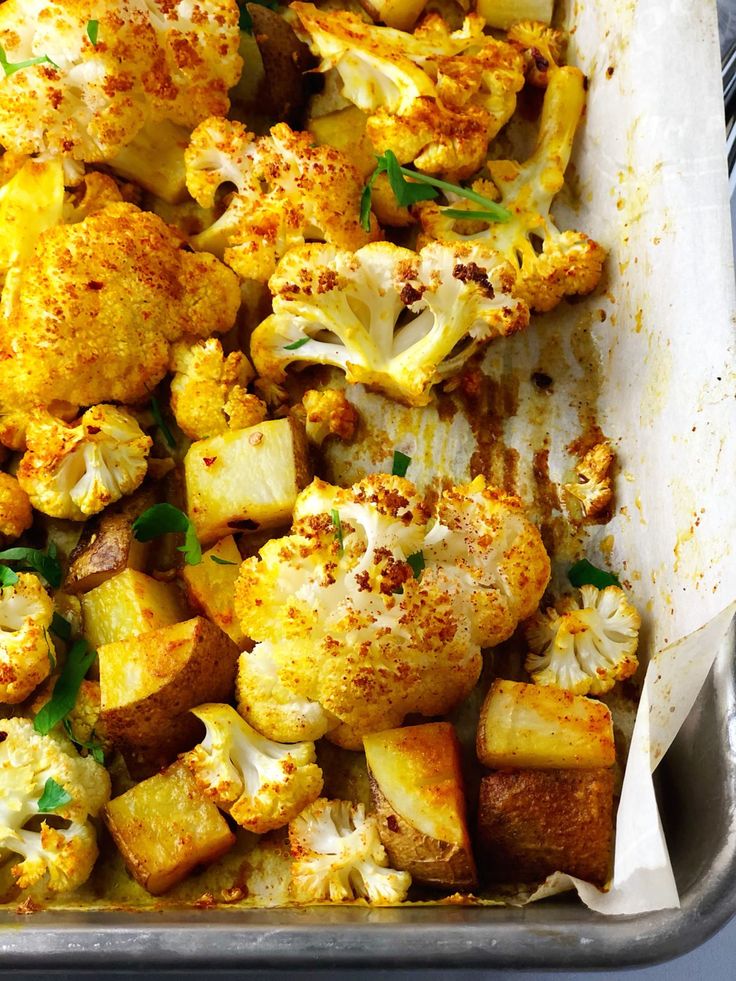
<point>15,507</point>
<point>31,201</point>
<point>26,650</point>
<point>435,97</point>
<point>88,97</point>
<point>584,647</point>
<point>28,761</point>
<point>260,783</point>
<point>344,309</point>
<point>356,617</point>
<point>208,393</point>
<point>288,191</point>
<point>73,471</point>
<point>121,269</point>
<point>541,47</point>
<point>594,489</point>
<point>551,264</point>
<point>93,193</point>
<point>328,413</point>
<point>83,724</point>
<point>338,856</point>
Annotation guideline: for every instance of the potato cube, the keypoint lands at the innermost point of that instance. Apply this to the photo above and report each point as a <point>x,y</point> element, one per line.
<point>148,684</point>
<point>544,727</point>
<point>155,160</point>
<point>417,790</point>
<point>164,827</point>
<point>401,14</point>
<point>211,587</point>
<point>246,478</point>
<point>535,822</point>
<point>129,604</point>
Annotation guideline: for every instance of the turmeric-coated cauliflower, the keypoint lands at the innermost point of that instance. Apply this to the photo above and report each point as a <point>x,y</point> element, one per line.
<point>73,471</point>
<point>541,47</point>
<point>288,190</point>
<point>359,626</point>
<point>261,784</point>
<point>44,774</point>
<point>584,647</point>
<point>328,412</point>
<point>30,202</point>
<point>435,97</point>
<point>392,319</point>
<point>338,855</point>
<point>551,264</point>
<point>91,315</point>
<point>208,390</point>
<point>16,515</point>
<point>100,70</point>
<point>26,650</point>
<point>594,489</point>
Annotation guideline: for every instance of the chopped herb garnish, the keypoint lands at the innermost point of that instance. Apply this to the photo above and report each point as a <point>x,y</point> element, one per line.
<point>50,649</point>
<point>338,530</point>
<point>93,748</point>
<point>400,464</point>
<point>165,519</point>
<point>218,561</point>
<point>246,21</point>
<point>584,573</point>
<point>53,797</point>
<point>61,627</point>
<point>416,561</point>
<point>93,31</point>
<point>45,564</point>
<point>297,344</point>
<point>64,697</point>
<point>162,424</point>
<point>468,215</point>
<point>10,68</point>
<point>7,577</point>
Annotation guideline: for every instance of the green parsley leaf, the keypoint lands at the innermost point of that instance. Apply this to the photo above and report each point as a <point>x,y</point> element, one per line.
<point>297,344</point>
<point>53,797</point>
<point>246,21</point>
<point>162,424</point>
<point>61,627</point>
<point>416,561</point>
<point>45,564</point>
<point>584,573</point>
<point>468,215</point>
<point>338,530</point>
<point>9,68</point>
<point>64,697</point>
<point>7,577</point>
<point>406,192</point>
<point>95,749</point>
<point>400,464</point>
<point>165,519</point>
<point>93,31</point>
<point>218,561</point>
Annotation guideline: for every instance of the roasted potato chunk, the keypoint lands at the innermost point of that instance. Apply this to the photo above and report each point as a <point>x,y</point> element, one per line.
<point>149,683</point>
<point>417,789</point>
<point>129,604</point>
<point>535,822</point>
<point>401,14</point>
<point>211,587</point>
<point>543,727</point>
<point>164,827</point>
<point>246,478</point>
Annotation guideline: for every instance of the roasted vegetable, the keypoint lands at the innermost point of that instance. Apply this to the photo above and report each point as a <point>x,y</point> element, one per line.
<point>129,604</point>
<point>211,587</point>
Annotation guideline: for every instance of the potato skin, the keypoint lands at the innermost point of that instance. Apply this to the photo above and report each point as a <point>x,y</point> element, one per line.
<point>535,822</point>
<point>285,89</point>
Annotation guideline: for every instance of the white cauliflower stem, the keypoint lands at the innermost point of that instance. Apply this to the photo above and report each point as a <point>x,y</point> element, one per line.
<point>338,856</point>
<point>62,857</point>
<point>26,649</point>
<point>390,318</point>
<point>584,647</point>
<point>260,783</point>
<point>72,471</point>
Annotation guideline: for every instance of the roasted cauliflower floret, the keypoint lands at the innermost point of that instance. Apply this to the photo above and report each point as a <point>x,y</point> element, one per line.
<point>288,191</point>
<point>15,508</point>
<point>87,92</point>
<point>551,264</point>
<point>75,470</point>
<point>338,856</point>
<point>26,650</point>
<point>328,413</point>
<point>358,627</point>
<point>44,774</point>
<point>594,489</point>
<point>392,319</point>
<point>120,269</point>
<point>541,47</point>
<point>260,783</point>
<point>208,390</point>
<point>435,97</point>
<point>584,646</point>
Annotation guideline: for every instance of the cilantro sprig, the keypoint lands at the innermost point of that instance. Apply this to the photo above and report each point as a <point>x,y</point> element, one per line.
<point>400,465</point>
<point>218,561</point>
<point>46,564</point>
<point>10,68</point>
<point>64,697</point>
<point>7,576</point>
<point>61,627</point>
<point>53,798</point>
<point>422,187</point>
<point>165,519</point>
<point>93,31</point>
<point>295,345</point>
<point>584,573</point>
<point>161,423</point>
<point>417,563</point>
<point>335,514</point>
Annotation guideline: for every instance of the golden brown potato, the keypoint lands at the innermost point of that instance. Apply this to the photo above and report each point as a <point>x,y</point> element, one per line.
<point>535,822</point>
<point>543,727</point>
<point>417,790</point>
<point>211,587</point>
<point>149,683</point>
<point>129,604</point>
<point>164,827</point>
<point>246,479</point>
